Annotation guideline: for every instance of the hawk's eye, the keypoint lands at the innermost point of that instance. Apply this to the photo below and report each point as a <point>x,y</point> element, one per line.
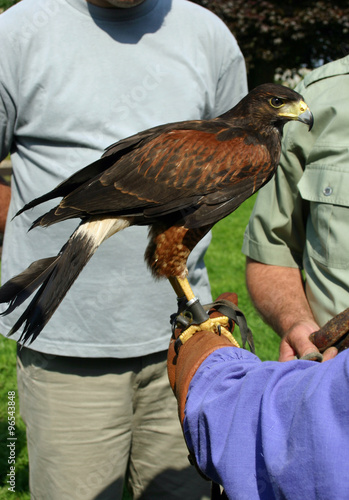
<point>276,102</point>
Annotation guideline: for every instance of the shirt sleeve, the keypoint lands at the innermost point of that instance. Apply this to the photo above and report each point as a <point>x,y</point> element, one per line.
<point>8,88</point>
<point>232,83</point>
<point>271,430</point>
<point>225,76</point>
<point>7,118</point>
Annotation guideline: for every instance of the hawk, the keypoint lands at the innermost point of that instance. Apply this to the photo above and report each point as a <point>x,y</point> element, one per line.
<point>179,179</point>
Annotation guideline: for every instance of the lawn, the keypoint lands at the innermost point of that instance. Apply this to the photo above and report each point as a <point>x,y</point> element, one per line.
<point>226,267</point>
<point>225,264</point>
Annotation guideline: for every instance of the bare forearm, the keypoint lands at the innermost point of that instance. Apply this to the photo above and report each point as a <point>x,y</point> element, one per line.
<point>278,295</point>
<point>5,196</point>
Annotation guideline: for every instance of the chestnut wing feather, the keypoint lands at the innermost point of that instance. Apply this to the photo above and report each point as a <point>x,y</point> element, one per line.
<point>172,171</point>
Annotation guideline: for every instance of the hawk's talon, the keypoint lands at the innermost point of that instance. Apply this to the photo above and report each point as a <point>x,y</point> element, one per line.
<point>181,317</point>
<point>179,320</point>
<point>212,324</point>
<point>177,345</point>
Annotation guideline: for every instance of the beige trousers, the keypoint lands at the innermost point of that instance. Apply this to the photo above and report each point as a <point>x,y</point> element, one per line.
<point>91,422</point>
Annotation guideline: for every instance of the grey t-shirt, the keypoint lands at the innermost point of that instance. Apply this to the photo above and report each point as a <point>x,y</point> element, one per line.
<point>75,78</point>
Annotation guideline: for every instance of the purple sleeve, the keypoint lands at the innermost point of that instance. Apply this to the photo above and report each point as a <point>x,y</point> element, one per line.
<point>271,430</point>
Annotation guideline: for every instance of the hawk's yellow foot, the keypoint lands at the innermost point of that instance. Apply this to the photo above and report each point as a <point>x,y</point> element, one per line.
<point>215,325</point>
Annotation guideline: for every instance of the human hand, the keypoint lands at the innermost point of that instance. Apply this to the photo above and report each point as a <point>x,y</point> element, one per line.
<point>296,342</point>
<point>333,335</point>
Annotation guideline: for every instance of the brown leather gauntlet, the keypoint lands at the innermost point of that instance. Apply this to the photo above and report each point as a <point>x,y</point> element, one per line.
<point>182,363</point>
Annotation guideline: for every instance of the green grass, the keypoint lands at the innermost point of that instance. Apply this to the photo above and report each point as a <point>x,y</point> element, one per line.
<point>226,266</point>
<point>8,383</point>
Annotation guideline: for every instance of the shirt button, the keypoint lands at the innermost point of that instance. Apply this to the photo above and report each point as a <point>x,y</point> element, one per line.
<point>328,191</point>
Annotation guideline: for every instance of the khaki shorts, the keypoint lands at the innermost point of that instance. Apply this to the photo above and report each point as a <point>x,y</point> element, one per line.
<point>93,422</point>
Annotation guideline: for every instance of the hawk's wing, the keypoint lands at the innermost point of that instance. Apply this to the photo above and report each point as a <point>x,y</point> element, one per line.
<point>178,169</point>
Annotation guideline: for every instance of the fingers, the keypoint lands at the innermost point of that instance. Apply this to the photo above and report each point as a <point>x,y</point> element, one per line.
<point>301,348</point>
<point>286,353</point>
<point>330,353</point>
<point>296,343</point>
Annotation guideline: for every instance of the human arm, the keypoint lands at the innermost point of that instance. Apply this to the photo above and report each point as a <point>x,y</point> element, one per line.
<point>300,217</point>
<point>8,115</point>
<point>288,237</point>
<point>262,429</point>
<point>273,244</point>
<point>277,293</point>
<point>5,196</point>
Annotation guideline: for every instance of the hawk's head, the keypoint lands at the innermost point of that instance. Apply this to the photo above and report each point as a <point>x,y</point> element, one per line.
<point>275,105</point>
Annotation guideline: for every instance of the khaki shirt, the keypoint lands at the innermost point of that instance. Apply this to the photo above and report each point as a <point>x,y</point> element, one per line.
<point>301,217</point>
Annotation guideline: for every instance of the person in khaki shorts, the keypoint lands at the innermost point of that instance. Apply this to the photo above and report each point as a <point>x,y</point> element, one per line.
<point>75,77</point>
<point>299,226</point>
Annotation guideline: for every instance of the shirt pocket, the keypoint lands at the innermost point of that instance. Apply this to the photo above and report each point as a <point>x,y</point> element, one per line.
<point>326,188</point>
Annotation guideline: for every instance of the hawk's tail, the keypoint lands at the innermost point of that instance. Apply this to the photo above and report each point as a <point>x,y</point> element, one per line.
<point>55,275</point>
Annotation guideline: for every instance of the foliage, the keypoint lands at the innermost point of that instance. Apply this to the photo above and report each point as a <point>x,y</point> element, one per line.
<point>5,4</point>
<point>285,35</point>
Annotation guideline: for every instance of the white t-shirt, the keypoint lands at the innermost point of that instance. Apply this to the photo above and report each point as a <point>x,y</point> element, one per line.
<point>75,78</point>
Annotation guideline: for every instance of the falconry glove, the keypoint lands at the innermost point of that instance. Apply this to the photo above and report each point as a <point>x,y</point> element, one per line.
<point>191,344</point>
<point>187,351</point>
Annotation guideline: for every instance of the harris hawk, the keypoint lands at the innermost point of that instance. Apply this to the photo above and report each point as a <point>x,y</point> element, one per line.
<point>179,179</point>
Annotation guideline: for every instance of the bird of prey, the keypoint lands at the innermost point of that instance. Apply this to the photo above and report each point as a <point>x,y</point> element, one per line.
<point>179,179</point>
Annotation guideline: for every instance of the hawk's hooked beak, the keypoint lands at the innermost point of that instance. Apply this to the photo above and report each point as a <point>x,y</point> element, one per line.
<point>299,111</point>
<point>306,116</point>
